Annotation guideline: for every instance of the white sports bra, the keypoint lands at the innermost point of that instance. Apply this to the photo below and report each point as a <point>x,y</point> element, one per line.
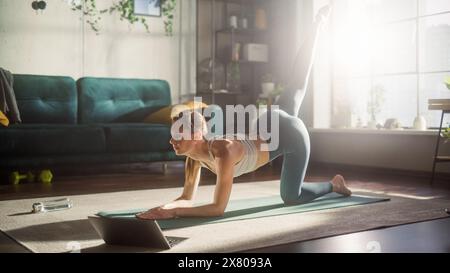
<point>250,159</point>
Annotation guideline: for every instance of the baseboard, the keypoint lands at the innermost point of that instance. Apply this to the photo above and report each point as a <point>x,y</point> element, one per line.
<point>441,176</point>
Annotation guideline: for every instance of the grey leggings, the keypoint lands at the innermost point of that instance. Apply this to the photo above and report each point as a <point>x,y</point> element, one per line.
<point>294,142</point>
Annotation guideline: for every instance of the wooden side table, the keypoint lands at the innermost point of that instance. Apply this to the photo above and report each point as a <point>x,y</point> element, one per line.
<point>444,106</point>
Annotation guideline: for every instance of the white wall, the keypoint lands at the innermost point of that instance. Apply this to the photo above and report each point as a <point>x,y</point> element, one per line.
<point>57,42</point>
<point>40,44</point>
<point>382,150</point>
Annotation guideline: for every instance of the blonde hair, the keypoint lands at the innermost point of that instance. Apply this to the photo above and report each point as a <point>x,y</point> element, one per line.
<point>196,121</point>
<point>191,168</point>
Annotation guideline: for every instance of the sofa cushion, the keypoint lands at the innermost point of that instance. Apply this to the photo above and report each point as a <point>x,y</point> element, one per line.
<point>4,119</point>
<point>165,115</point>
<point>87,159</point>
<point>48,139</point>
<point>105,100</point>
<point>46,99</point>
<point>137,138</point>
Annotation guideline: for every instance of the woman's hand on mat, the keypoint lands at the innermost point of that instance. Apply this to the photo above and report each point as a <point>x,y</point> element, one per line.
<point>157,213</point>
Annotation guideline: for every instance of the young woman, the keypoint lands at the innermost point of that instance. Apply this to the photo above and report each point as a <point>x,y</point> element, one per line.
<point>229,157</point>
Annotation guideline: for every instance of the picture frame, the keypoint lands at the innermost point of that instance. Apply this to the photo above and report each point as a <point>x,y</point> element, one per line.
<point>147,8</point>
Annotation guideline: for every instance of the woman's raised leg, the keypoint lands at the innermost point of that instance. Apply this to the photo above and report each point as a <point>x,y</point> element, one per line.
<point>291,99</point>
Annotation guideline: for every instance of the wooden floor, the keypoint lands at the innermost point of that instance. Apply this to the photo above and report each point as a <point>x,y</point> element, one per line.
<point>100,179</point>
<point>422,237</point>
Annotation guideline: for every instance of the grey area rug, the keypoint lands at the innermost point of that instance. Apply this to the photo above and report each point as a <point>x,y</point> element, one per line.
<point>70,230</point>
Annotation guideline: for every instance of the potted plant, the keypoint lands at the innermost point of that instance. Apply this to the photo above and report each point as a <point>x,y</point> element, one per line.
<point>267,84</point>
<point>279,88</point>
<point>374,104</point>
<point>447,82</point>
<point>234,77</point>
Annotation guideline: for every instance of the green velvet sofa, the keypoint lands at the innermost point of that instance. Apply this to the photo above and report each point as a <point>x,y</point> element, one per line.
<point>90,121</point>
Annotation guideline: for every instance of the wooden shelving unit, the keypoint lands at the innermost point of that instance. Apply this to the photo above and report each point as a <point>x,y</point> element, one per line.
<point>444,106</point>
<point>243,86</point>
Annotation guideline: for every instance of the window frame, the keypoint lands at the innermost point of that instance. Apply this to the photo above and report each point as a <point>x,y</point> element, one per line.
<point>371,76</point>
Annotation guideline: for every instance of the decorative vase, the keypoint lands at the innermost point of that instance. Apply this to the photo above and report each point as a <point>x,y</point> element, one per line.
<point>267,88</point>
<point>243,23</point>
<point>372,124</point>
<point>233,21</point>
<point>260,19</point>
<point>420,123</point>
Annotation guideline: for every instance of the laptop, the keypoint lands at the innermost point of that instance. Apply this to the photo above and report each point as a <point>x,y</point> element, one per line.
<point>132,232</point>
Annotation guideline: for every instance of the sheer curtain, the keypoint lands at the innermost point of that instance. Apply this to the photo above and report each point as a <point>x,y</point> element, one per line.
<point>187,50</point>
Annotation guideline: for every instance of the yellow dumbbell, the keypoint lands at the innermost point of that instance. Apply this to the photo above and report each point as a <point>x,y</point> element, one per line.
<point>15,177</point>
<point>45,176</point>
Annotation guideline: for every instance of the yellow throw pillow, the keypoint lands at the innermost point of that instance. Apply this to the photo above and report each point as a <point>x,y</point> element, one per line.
<point>164,115</point>
<point>3,119</point>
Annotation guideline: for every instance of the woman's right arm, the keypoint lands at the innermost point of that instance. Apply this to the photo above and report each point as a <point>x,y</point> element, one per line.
<point>191,182</point>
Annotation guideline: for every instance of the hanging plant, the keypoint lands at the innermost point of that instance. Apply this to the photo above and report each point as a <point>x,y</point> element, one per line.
<point>168,9</point>
<point>90,12</point>
<point>125,9</point>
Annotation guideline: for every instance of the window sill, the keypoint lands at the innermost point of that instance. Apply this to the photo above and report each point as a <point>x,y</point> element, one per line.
<point>429,132</point>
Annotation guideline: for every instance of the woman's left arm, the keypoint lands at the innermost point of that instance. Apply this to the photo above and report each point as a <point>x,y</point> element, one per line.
<point>222,191</point>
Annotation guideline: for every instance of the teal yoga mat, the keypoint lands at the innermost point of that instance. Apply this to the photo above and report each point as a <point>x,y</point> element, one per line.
<point>254,208</point>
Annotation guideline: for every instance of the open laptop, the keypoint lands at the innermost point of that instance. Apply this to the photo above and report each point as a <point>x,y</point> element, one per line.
<point>132,232</point>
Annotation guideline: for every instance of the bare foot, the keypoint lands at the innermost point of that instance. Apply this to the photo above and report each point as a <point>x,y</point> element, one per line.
<point>339,186</point>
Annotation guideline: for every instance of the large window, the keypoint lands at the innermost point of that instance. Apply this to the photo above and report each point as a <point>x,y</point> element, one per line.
<point>389,56</point>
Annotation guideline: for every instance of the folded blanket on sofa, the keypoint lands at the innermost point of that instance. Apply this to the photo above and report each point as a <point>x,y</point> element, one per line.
<point>8,103</point>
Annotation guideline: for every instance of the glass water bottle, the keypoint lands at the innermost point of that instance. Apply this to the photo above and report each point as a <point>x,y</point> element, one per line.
<point>52,205</point>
